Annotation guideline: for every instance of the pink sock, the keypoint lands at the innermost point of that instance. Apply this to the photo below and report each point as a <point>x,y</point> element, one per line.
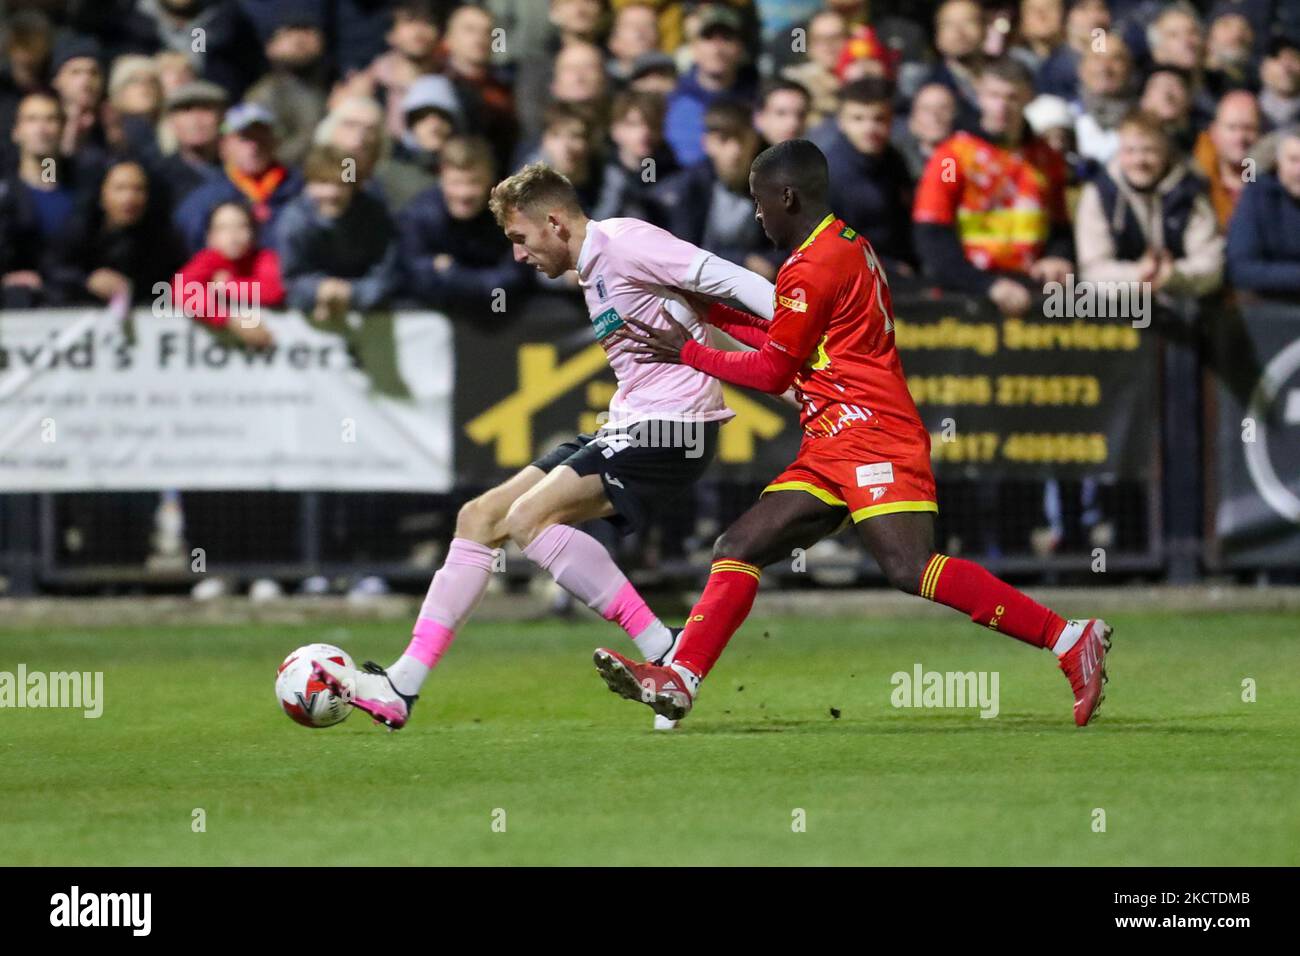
<point>454,593</point>
<point>584,568</point>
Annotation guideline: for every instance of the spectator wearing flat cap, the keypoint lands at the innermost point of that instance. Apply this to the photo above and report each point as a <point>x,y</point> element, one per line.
<point>294,91</point>
<point>249,170</point>
<point>193,126</point>
<point>719,73</point>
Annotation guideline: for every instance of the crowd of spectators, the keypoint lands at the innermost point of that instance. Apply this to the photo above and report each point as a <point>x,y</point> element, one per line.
<point>340,153</point>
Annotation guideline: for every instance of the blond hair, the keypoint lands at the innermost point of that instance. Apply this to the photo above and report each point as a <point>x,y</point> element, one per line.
<point>535,188</point>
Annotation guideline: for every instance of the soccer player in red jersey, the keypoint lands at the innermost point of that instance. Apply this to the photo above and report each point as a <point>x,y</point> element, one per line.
<point>865,454</point>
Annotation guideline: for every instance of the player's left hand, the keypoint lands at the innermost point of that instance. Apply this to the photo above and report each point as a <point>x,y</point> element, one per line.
<point>650,344</point>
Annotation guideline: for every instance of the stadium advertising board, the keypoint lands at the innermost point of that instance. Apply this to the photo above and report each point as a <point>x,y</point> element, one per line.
<point>95,399</point>
<point>1257,517</point>
<point>1027,398</point>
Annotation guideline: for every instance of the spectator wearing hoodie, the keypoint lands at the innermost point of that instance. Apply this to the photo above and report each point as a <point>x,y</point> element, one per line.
<point>431,116</point>
<point>718,74</point>
<point>454,254</point>
<point>1147,218</point>
<point>337,243</point>
<point>871,188</point>
<point>250,170</point>
<point>412,38</point>
<point>1264,236</point>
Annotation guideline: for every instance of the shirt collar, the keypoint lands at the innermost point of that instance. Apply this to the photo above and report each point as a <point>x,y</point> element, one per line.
<point>830,218</point>
<point>585,253</point>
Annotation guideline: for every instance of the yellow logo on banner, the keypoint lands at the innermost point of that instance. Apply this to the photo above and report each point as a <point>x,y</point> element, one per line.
<point>542,379</point>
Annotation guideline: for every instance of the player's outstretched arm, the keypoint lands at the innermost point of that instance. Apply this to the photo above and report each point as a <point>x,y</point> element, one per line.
<point>720,279</point>
<point>769,369</point>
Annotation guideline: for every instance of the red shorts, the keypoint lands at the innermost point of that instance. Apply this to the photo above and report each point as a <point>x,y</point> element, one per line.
<point>864,471</point>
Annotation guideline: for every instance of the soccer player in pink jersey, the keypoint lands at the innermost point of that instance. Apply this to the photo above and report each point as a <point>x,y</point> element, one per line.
<point>659,438</point>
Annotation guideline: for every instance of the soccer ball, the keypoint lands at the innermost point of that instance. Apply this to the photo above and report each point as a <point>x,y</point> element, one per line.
<point>307,700</point>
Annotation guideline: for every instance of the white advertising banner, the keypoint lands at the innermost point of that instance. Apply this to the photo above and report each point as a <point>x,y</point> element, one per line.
<point>96,399</point>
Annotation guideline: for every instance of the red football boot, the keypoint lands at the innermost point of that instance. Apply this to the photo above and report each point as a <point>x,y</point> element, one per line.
<point>665,690</point>
<point>1085,665</point>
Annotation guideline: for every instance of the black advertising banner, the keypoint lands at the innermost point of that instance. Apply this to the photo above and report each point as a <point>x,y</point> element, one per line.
<point>1030,398</point>
<point>1033,398</point>
<point>1257,518</point>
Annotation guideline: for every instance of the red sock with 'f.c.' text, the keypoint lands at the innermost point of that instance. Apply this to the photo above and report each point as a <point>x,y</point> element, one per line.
<point>990,601</point>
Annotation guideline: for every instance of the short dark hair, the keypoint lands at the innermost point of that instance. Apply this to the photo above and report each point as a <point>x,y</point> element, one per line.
<point>424,10</point>
<point>558,112</point>
<point>772,87</point>
<point>1009,70</point>
<point>868,91</point>
<point>651,106</point>
<point>728,118</point>
<point>240,204</point>
<point>798,163</point>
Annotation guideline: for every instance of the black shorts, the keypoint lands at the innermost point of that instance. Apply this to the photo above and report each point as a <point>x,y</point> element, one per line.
<point>643,467</point>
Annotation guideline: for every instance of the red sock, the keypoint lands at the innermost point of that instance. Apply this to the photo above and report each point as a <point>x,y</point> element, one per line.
<point>718,614</point>
<point>990,601</point>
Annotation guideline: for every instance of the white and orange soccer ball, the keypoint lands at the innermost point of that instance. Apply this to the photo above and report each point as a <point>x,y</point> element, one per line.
<point>306,699</point>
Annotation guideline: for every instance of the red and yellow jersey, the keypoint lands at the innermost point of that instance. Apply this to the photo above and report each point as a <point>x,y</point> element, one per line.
<point>833,310</point>
<point>1003,202</point>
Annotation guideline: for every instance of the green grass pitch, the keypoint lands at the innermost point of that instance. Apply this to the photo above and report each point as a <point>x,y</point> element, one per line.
<point>516,728</point>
